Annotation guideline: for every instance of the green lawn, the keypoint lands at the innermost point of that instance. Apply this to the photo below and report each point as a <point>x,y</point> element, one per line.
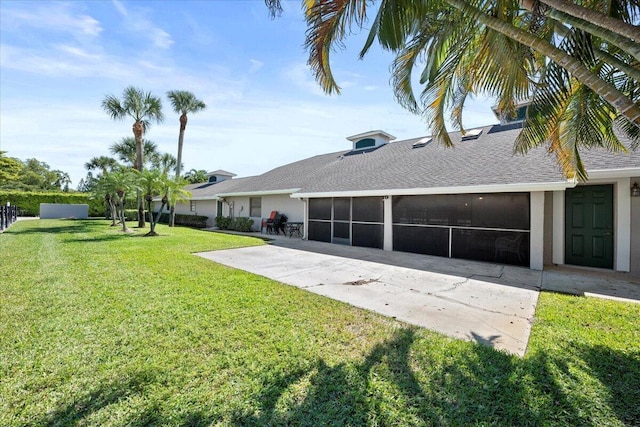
<point>103,328</point>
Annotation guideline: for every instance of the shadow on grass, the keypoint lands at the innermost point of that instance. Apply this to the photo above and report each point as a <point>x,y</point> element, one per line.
<point>620,373</point>
<point>398,384</point>
<point>82,407</point>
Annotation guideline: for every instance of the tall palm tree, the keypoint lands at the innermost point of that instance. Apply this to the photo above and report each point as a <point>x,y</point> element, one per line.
<point>143,108</point>
<point>497,47</point>
<point>183,102</point>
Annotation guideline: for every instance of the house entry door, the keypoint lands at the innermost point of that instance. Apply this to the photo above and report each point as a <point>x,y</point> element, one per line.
<point>589,226</point>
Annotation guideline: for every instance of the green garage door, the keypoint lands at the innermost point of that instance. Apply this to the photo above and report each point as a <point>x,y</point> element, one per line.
<point>589,226</point>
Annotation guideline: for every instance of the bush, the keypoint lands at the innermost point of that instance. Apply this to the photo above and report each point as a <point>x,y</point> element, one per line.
<point>28,202</point>
<point>223,222</point>
<point>242,224</point>
<point>236,224</point>
<point>195,221</point>
<point>131,214</point>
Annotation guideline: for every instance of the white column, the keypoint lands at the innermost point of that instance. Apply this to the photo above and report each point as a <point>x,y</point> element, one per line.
<point>305,218</point>
<point>558,227</point>
<point>536,236</point>
<point>388,224</point>
<point>622,225</point>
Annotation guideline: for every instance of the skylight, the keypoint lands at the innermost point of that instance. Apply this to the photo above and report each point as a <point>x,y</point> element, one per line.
<point>472,134</point>
<point>421,142</point>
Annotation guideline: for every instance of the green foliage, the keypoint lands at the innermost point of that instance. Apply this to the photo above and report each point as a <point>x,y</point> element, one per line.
<point>242,224</point>
<point>224,222</point>
<point>131,214</point>
<point>194,221</point>
<point>236,224</point>
<point>33,175</point>
<point>28,202</point>
<point>9,168</point>
<point>86,342</point>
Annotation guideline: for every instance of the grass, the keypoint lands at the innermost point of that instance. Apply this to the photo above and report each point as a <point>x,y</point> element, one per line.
<point>103,328</point>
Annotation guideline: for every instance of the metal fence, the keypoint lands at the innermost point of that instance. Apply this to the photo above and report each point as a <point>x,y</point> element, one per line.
<point>8,215</point>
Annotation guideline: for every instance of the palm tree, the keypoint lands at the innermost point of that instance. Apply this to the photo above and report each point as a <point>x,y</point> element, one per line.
<point>196,176</point>
<point>114,187</point>
<point>164,162</point>
<point>154,183</point>
<point>126,151</point>
<point>103,163</point>
<point>183,102</point>
<point>496,47</point>
<point>143,108</point>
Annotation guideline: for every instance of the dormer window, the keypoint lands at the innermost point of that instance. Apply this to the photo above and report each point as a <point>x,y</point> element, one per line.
<point>370,140</point>
<point>213,179</point>
<point>365,143</point>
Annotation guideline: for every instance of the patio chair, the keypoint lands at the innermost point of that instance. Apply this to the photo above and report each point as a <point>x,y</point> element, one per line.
<point>268,223</point>
<point>510,244</point>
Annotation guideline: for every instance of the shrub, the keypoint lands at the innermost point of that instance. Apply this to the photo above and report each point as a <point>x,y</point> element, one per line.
<point>28,202</point>
<point>242,224</point>
<point>237,224</point>
<point>195,221</point>
<point>224,222</point>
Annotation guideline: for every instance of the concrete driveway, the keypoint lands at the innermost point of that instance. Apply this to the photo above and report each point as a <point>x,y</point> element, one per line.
<point>486,303</point>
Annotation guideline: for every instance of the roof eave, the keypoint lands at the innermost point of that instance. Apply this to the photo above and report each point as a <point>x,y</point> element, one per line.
<point>258,193</point>
<point>489,188</point>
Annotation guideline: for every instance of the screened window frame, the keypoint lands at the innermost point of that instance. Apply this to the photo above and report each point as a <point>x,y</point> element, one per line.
<point>255,211</point>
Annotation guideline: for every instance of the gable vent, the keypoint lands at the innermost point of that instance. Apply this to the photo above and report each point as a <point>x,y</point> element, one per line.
<point>421,143</point>
<point>471,134</point>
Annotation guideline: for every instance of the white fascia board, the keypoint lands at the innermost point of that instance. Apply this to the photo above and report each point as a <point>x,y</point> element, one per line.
<point>257,193</point>
<point>359,136</point>
<point>495,188</point>
<point>613,173</point>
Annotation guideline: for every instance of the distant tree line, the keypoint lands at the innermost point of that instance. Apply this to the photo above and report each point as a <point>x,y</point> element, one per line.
<point>31,175</point>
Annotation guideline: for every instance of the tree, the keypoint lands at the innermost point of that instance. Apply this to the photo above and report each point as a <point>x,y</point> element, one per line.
<point>164,162</point>
<point>580,69</point>
<point>102,163</point>
<point>114,187</point>
<point>196,176</point>
<point>126,151</point>
<point>183,102</point>
<point>9,168</point>
<point>143,108</point>
<point>153,184</point>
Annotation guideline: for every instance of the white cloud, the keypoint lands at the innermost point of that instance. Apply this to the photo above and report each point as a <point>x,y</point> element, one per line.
<point>56,17</point>
<point>300,75</point>
<point>135,21</point>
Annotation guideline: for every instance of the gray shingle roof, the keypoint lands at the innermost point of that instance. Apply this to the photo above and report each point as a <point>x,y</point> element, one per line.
<point>485,161</point>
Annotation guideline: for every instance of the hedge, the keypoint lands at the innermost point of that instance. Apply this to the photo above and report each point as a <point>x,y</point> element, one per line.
<point>28,202</point>
<point>237,224</point>
<point>195,221</point>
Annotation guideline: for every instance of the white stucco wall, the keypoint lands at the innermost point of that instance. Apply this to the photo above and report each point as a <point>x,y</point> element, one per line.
<point>536,236</point>
<point>63,210</point>
<point>283,203</point>
<point>635,232</point>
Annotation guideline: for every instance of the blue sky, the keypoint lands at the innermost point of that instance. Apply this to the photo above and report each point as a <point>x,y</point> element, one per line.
<point>58,60</point>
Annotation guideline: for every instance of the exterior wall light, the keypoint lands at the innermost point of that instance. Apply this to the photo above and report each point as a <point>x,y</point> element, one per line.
<point>635,190</point>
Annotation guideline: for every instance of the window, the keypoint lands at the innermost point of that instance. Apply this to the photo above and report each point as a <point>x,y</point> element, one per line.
<point>192,206</point>
<point>365,143</point>
<point>255,207</point>
<point>213,179</point>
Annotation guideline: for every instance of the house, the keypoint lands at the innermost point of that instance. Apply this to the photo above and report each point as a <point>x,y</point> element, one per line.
<point>474,201</point>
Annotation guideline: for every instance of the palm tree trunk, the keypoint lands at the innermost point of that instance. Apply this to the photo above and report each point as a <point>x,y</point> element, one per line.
<point>159,213</point>
<point>599,19</point>
<point>138,132</point>
<point>633,48</point>
<point>122,215</point>
<point>625,106</point>
<point>152,223</point>
<point>183,126</point>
